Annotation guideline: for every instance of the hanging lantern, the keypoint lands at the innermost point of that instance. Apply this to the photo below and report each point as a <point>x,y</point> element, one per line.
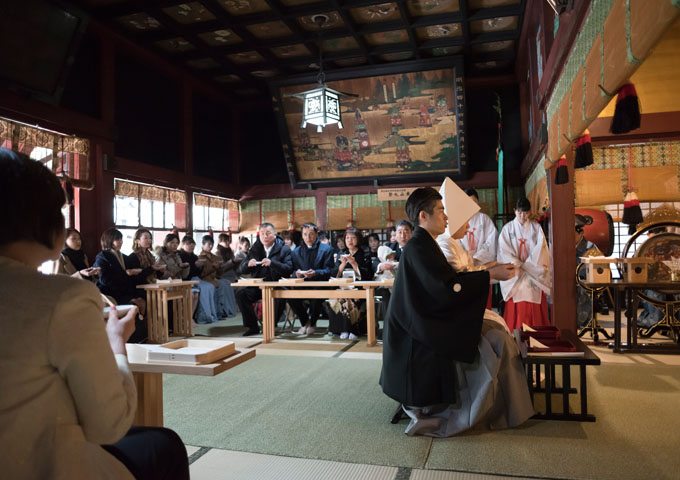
<point>322,104</point>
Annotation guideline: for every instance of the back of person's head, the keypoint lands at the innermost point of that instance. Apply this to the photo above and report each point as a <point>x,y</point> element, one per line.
<point>108,237</point>
<point>404,223</point>
<point>523,204</point>
<point>207,239</point>
<point>169,238</point>
<point>33,199</point>
<point>243,241</point>
<point>421,199</point>
<point>471,192</point>
<point>187,240</point>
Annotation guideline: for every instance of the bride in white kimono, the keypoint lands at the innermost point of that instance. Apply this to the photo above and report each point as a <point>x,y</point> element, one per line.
<point>492,390</point>
<point>523,244</point>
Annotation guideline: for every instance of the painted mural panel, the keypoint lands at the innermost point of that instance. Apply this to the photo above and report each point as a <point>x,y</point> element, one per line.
<point>398,127</point>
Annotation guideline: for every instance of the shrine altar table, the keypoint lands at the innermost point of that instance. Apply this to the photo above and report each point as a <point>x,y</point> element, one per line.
<point>157,297</point>
<point>625,295</point>
<point>149,382</point>
<point>363,290</point>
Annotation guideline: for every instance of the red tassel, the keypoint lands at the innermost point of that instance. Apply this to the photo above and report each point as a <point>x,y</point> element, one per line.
<point>584,151</point>
<point>632,214</point>
<point>627,112</point>
<point>562,174</point>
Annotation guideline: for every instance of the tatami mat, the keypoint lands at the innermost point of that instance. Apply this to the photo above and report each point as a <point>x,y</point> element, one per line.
<point>225,464</point>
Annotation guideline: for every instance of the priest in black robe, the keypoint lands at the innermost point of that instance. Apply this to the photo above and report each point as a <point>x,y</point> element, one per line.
<point>432,335</point>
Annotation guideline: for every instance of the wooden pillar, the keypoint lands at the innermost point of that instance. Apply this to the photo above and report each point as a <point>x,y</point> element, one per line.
<point>563,248</point>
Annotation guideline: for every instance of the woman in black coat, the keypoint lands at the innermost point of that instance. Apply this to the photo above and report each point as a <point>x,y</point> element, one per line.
<point>348,317</point>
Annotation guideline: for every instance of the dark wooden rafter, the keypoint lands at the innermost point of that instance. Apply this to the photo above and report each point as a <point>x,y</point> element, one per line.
<point>290,15</point>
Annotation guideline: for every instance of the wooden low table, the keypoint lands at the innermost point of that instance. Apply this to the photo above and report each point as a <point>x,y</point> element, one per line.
<point>149,381</point>
<point>157,297</point>
<point>315,289</point>
<point>534,364</point>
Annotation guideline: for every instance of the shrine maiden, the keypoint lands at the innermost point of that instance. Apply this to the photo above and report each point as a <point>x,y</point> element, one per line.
<point>523,244</point>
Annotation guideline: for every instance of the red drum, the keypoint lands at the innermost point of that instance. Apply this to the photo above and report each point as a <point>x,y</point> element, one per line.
<point>601,231</point>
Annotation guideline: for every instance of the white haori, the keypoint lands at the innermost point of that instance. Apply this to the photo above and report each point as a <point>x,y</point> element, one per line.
<point>481,239</point>
<point>525,247</point>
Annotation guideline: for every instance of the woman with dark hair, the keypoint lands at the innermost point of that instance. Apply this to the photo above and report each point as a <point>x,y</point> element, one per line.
<point>523,244</point>
<point>72,260</point>
<point>346,314</point>
<point>115,277</point>
<point>243,247</point>
<point>70,420</point>
<point>225,301</point>
<point>142,258</point>
<point>168,256</point>
<point>230,263</point>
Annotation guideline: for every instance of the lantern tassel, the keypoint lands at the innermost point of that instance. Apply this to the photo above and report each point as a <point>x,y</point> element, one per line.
<point>583,155</point>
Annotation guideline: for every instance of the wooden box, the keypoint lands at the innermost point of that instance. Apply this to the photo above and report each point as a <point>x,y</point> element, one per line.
<point>597,269</point>
<point>635,269</point>
<point>191,351</point>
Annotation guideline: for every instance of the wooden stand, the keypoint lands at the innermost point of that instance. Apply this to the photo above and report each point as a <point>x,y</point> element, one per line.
<point>157,297</point>
<point>149,382</point>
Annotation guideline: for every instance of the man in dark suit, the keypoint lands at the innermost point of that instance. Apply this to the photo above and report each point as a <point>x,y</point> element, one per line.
<point>404,234</point>
<point>312,260</point>
<point>270,260</point>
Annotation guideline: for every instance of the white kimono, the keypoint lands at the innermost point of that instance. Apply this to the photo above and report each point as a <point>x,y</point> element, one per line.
<point>481,239</point>
<point>525,247</point>
<point>462,261</point>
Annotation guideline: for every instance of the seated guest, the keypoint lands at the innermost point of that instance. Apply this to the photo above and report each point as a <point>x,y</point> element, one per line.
<point>229,269</point>
<point>242,253</point>
<point>271,260</point>
<point>225,303</point>
<point>203,293</point>
<point>115,278</point>
<point>347,317</point>
<point>392,235</point>
<point>339,244</point>
<point>523,244</point>
<point>288,239</point>
<point>68,397</point>
<point>72,260</point>
<point>168,256</point>
<point>323,238</point>
<point>450,369</point>
<point>403,234</point>
<point>142,258</point>
<point>312,261</point>
<point>373,244</point>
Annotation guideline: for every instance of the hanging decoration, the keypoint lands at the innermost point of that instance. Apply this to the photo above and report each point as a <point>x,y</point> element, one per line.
<point>562,173</point>
<point>632,214</point>
<point>583,156</point>
<point>350,222</point>
<point>291,219</point>
<point>389,223</point>
<point>627,112</point>
<point>259,224</point>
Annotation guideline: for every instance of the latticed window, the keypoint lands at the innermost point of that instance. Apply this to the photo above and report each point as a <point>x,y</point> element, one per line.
<point>214,213</point>
<point>139,205</point>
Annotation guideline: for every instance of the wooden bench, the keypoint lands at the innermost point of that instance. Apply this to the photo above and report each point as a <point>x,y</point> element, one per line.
<point>547,364</point>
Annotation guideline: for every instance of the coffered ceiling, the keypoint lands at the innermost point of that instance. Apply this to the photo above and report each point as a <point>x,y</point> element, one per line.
<point>239,45</point>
